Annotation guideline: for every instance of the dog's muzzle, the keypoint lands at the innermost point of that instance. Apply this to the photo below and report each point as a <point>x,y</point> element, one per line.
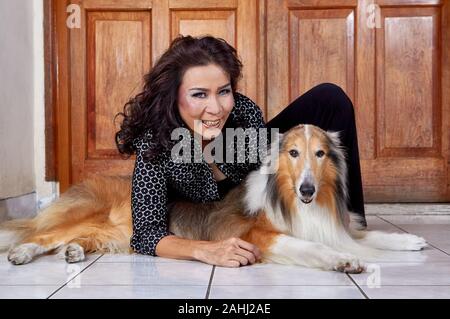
<point>307,192</point>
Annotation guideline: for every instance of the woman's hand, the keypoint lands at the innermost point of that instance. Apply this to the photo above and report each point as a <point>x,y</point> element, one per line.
<point>232,252</point>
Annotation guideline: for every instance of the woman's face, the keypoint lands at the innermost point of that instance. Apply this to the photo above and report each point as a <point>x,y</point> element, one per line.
<point>205,99</point>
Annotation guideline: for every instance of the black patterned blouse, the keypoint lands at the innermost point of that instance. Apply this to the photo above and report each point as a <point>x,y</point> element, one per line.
<point>158,181</point>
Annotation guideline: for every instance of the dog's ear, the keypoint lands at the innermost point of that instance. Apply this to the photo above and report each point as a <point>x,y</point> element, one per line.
<point>276,139</point>
<point>337,148</point>
<point>337,153</point>
<point>280,136</point>
<point>335,138</point>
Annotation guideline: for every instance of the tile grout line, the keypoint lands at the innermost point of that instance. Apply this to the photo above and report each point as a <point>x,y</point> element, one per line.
<point>432,245</point>
<point>387,221</point>
<point>65,284</point>
<point>210,282</point>
<point>357,286</point>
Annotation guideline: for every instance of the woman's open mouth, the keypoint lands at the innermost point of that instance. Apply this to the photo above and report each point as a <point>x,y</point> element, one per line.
<point>211,124</point>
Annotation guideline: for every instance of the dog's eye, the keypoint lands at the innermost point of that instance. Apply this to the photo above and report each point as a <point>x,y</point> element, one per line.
<point>293,153</point>
<point>320,153</point>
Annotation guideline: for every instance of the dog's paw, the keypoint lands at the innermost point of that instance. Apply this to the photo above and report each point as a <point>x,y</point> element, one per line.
<point>22,254</point>
<point>413,242</point>
<point>74,253</point>
<point>348,264</point>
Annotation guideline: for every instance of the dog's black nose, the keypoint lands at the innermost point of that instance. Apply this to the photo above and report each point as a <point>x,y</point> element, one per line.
<point>307,190</point>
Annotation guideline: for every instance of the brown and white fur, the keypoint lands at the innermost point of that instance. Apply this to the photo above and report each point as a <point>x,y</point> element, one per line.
<point>296,214</point>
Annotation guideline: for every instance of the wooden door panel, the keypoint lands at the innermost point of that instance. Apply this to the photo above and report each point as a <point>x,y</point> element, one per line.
<point>408,83</point>
<point>220,23</point>
<point>110,53</point>
<point>321,49</point>
<point>118,50</point>
<point>310,42</point>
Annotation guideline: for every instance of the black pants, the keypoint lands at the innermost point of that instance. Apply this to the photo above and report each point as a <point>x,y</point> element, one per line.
<point>328,107</point>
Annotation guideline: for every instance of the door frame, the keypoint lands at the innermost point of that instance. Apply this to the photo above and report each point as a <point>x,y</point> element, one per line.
<point>57,93</point>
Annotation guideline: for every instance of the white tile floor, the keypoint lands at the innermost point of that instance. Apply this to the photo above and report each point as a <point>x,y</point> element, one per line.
<point>423,274</point>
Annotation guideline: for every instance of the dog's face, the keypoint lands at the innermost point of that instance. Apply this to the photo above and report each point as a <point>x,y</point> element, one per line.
<point>308,162</point>
<point>304,168</point>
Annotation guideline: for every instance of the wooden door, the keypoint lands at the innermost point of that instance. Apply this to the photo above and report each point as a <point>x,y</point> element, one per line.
<point>117,43</point>
<point>396,72</point>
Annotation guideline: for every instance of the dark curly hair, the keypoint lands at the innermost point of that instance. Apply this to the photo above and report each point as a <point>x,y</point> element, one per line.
<point>155,109</point>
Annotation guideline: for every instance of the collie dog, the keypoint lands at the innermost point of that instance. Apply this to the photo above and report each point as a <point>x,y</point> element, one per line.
<point>296,213</point>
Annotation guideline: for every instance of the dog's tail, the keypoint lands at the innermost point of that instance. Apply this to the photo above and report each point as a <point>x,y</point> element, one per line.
<point>80,201</point>
<point>14,231</point>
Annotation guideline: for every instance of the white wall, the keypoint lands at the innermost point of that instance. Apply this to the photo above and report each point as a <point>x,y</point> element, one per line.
<point>45,191</point>
<point>22,150</point>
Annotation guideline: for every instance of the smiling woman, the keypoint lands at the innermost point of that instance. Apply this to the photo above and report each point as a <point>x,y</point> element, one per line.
<point>193,85</point>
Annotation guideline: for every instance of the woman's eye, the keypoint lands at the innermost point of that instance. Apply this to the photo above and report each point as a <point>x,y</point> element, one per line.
<point>225,92</point>
<point>199,95</point>
<point>293,153</point>
<point>320,153</point>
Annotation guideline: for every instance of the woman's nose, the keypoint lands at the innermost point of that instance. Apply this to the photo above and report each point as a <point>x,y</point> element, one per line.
<point>214,106</point>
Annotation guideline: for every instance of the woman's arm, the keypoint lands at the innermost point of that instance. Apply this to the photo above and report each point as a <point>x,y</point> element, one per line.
<point>148,201</point>
<point>231,252</point>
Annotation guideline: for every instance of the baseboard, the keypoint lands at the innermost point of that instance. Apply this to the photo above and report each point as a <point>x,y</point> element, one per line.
<point>24,206</point>
<point>408,209</point>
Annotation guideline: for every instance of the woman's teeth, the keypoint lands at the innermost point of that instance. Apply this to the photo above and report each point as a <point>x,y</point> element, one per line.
<point>211,123</point>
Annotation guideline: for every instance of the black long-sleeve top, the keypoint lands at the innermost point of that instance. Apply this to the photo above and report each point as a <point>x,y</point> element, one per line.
<point>157,182</point>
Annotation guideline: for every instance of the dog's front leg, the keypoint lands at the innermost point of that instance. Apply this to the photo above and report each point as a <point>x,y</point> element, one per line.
<point>389,241</point>
<point>291,250</point>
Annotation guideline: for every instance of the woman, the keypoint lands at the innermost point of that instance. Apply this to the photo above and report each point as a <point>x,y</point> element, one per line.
<point>193,85</point>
